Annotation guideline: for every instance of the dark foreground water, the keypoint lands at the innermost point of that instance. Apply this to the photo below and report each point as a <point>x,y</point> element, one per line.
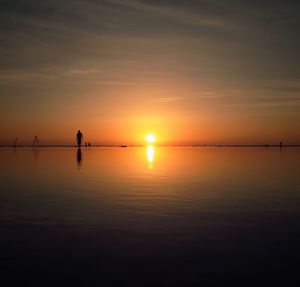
<point>149,216</point>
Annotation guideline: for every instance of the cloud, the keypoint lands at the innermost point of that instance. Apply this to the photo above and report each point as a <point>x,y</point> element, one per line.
<point>82,71</point>
<point>293,84</point>
<point>185,17</point>
<point>168,99</point>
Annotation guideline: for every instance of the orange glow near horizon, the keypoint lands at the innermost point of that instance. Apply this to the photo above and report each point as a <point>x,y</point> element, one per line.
<point>163,122</point>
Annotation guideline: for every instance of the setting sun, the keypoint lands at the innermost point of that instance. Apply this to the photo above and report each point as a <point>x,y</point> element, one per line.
<point>150,138</point>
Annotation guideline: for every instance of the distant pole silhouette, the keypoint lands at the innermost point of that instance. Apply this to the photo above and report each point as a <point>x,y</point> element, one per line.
<point>16,140</point>
<point>281,145</point>
<point>79,138</point>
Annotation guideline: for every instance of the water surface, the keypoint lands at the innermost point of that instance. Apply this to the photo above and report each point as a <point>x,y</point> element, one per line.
<point>149,216</point>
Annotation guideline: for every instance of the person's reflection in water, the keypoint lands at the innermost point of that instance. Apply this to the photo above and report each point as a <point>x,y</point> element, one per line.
<point>35,152</point>
<point>79,157</point>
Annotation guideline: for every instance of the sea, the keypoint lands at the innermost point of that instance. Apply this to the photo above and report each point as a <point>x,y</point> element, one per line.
<point>149,216</point>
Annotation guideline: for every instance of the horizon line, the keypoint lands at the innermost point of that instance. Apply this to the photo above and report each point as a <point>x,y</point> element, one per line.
<point>146,145</point>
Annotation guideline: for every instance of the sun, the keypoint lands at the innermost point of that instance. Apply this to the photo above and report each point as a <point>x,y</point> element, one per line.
<point>150,138</point>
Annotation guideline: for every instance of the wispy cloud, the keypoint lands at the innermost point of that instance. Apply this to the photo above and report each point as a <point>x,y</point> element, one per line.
<point>168,99</point>
<point>172,13</point>
<point>290,84</point>
<point>81,72</point>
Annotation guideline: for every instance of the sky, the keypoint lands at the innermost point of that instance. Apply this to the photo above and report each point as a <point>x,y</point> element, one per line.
<point>191,72</point>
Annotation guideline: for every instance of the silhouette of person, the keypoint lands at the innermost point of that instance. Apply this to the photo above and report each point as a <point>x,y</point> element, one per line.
<point>79,157</point>
<point>79,137</point>
<point>35,140</point>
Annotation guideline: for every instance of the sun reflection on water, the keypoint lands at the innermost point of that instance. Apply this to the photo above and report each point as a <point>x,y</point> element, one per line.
<point>150,156</point>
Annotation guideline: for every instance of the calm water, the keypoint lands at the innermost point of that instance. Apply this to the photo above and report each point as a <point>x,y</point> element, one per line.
<point>149,216</point>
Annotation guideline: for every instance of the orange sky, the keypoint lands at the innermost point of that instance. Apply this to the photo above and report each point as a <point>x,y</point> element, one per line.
<point>118,70</point>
